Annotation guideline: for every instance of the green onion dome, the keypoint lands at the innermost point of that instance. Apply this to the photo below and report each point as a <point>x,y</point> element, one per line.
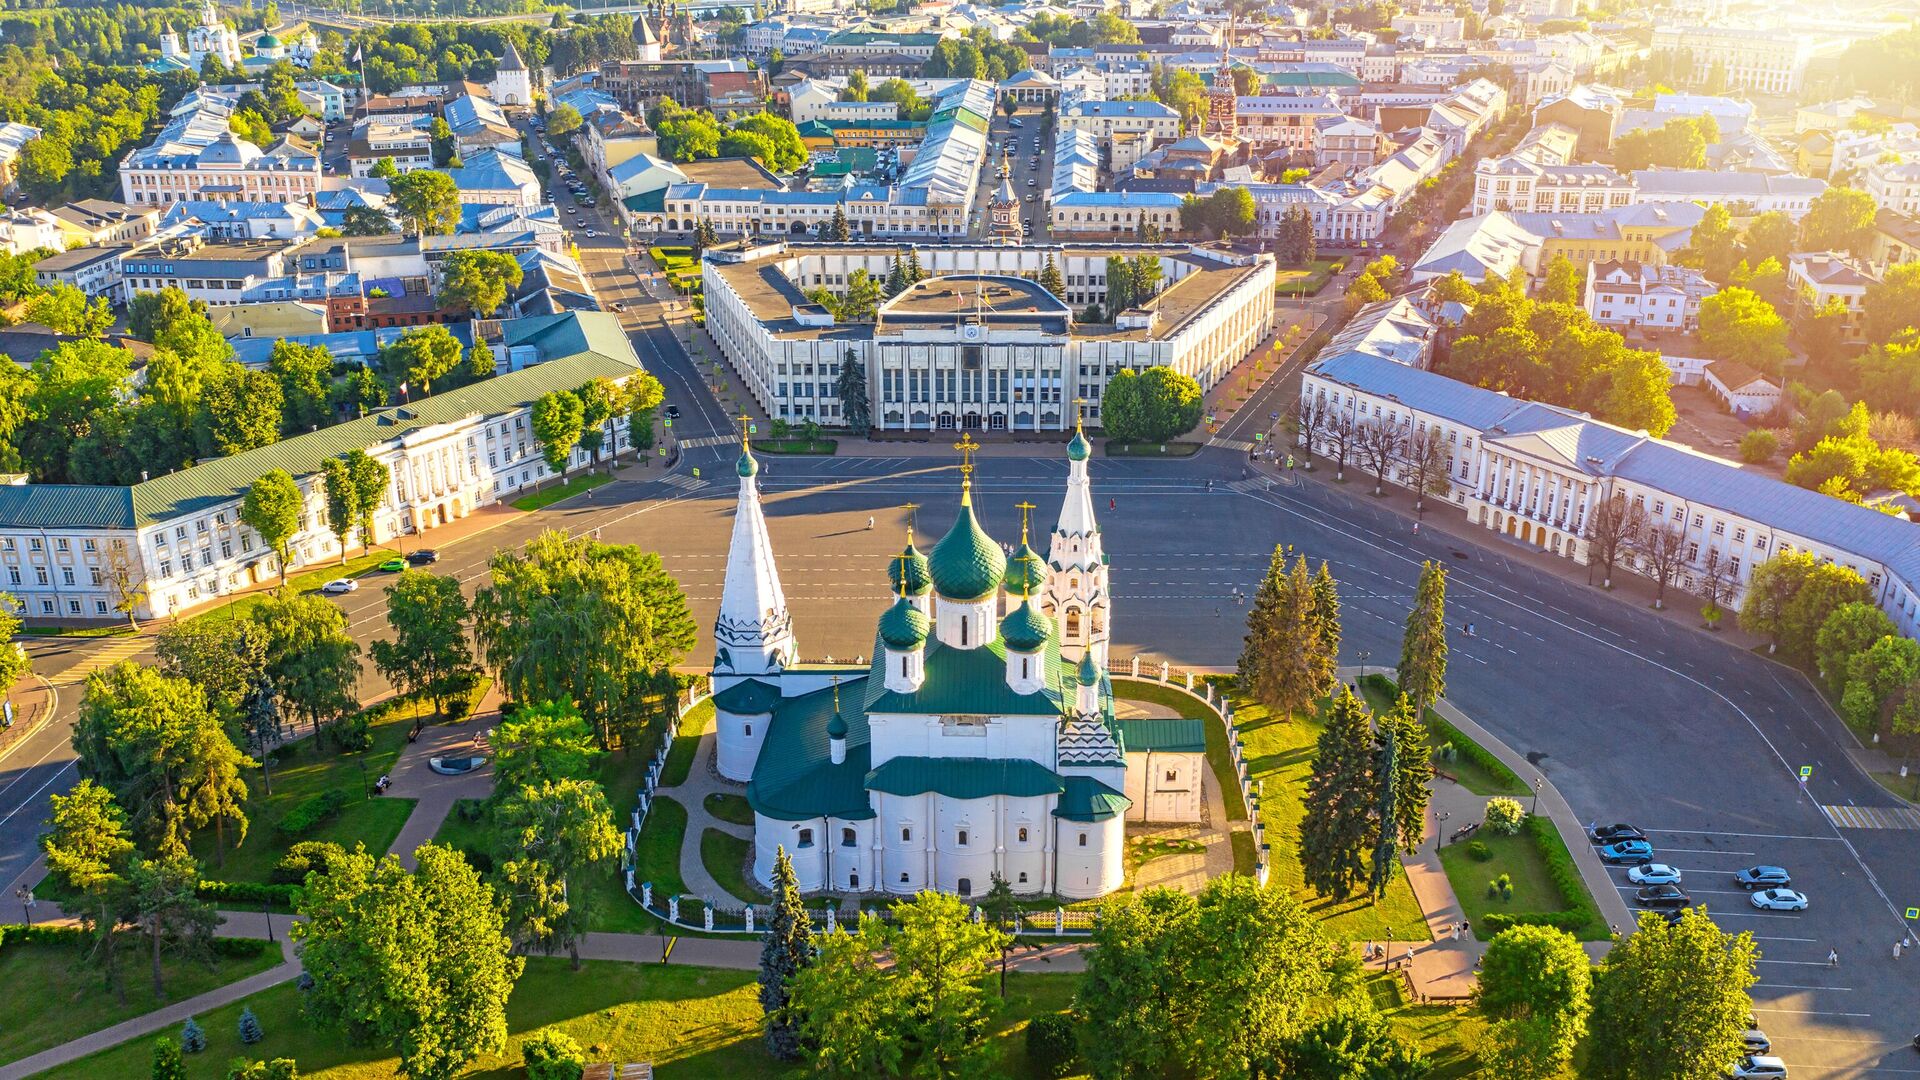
<point>1026,572</point>
<point>1089,674</point>
<point>1079,449</point>
<point>908,571</point>
<point>837,727</point>
<point>966,563</point>
<point>1025,629</point>
<point>904,626</point>
<point>746,466</point>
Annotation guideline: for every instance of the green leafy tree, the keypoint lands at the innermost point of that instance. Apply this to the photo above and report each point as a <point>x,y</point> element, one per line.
<point>558,420</point>
<point>553,840</point>
<point>851,386</point>
<point>312,665</point>
<point>571,600</point>
<point>419,356</point>
<point>784,953</point>
<point>418,962</point>
<point>1671,1001</point>
<point>429,655</point>
<point>1423,648</point>
<point>272,509</point>
<point>477,282</point>
<point>1535,984</point>
<point>1338,826</point>
<point>426,201</point>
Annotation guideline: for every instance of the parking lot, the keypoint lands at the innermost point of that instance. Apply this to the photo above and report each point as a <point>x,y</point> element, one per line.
<point>1820,1016</point>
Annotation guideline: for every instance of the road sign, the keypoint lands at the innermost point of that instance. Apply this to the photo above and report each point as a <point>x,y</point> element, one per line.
<point>1806,772</point>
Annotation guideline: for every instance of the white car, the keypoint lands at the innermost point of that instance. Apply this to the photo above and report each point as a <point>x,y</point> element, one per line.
<point>339,585</point>
<point>1780,900</point>
<point>1758,1067</point>
<point>1654,874</point>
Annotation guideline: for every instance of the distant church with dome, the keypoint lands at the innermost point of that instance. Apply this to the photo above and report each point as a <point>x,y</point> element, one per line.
<point>980,739</point>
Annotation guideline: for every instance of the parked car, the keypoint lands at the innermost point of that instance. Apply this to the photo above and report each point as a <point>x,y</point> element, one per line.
<point>1757,1067</point>
<point>1763,877</point>
<point>1611,834</point>
<point>394,565</point>
<point>1654,874</point>
<point>339,585</point>
<point>1627,853</point>
<point>1756,1041</point>
<point>1780,900</point>
<point>1663,896</point>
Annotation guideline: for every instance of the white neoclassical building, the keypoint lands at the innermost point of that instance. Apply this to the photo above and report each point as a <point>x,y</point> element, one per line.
<point>981,738</point>
<point>978,344</point>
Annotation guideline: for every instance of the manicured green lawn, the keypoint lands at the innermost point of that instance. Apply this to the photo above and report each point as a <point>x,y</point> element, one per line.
<point>308,771</point>
<point>1280,754</point>
<point>734,808</point>
<point>686,744</point>
<point>692,1023</point>
<point>1518,856</point>
<point>1473,767</point>
<point>574,485</point>
<point>56,994</point>
<point>360,566</point>
<point>725,857</point>
<point>1305,281</point>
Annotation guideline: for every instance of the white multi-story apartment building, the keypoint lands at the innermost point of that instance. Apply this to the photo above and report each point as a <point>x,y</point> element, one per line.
<point>197,156</point>
<point>1764,61</point>
<point>175,542</point>
<point>1539,474</point>
<point>1634,295</point>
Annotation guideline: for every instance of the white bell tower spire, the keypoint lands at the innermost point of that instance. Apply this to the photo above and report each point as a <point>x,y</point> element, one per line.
<point>1076,594</point>
<point>753,634</point>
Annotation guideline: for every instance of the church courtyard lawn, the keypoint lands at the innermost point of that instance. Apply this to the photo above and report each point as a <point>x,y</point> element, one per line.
<point>1280,755</point>
<point>725,857</point>
<point>547,496</point>
<point>1525,859</point>
<point>693,1023</point>
<point>686,744</point>
<point>1472,767</point>
<point>733,808</point>
<point>58,994</point>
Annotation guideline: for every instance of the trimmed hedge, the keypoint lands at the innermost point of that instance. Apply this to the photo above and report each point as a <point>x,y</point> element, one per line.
<point>311,812</point>
<point>248,892</point>
<point>1580,914</point>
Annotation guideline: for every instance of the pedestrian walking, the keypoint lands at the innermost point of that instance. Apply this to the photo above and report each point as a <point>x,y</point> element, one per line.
<point>1833,957</point>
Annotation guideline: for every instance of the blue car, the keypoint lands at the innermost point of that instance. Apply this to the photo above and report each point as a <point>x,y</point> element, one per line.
<point>1627,853</point>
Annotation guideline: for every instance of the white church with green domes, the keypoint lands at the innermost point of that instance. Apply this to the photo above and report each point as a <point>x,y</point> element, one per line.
<point>981,739</point>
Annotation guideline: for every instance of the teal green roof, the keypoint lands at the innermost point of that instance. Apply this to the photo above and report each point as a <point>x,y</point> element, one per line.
<point>918,578</point>
<point>749,698</point>
<point>1078,448</point>
<point>1164,735</point>
<point>795,778</point>
<point>1026,572</point>
<point>1087,799</point>
<point>964,778</point>
<point>904,626</point>
<point>1025,629</point>
<point>971,682</point>
<point>966,564</point>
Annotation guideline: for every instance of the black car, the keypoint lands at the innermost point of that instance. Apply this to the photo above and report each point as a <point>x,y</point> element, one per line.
<point>423,557</point>
<point>1613,834</point>
<point>1663,896</point>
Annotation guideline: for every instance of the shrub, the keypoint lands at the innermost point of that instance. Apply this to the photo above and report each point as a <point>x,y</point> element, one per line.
<point>311,812</point>
<point>192,1039</point>
<point>305,856</point>
<point>1504,815</point>
<point>1478,851</point>
<point>1050,1044</point>
<point>1758,445</point>
<point>552,1055</point>
<point>250,1032</point>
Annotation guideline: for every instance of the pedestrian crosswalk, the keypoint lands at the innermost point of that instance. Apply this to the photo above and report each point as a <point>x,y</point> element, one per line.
<point>706,440</point>
<point>105,656</point>
<point>684,483</point>
<point>1873,817</point>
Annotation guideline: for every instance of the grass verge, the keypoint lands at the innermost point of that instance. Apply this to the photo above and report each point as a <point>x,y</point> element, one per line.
<point>61,995</point>
<point>692,1023</point>
<point>725,857</point>
<point>567,489</point>
<point>733,808</point>
<point>1472,766</point>
<point>1539,895</point>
